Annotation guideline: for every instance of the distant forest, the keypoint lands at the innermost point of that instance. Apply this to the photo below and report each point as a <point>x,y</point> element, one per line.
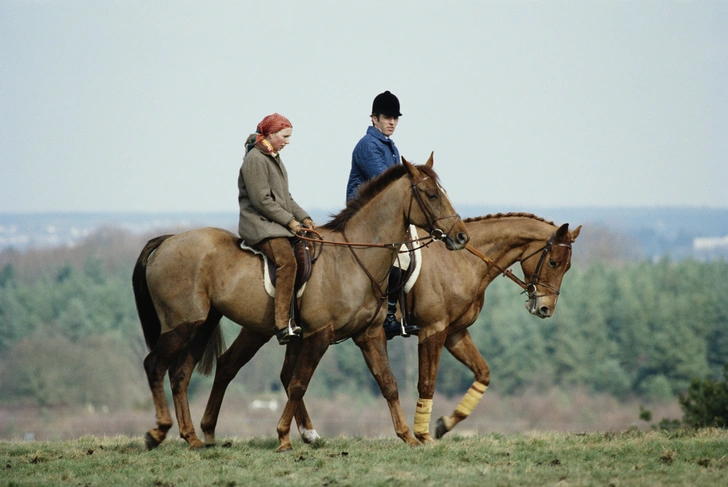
<point>624,325</point>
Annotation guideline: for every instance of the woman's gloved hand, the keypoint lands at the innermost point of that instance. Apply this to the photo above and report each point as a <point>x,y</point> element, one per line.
<point>294,226</point>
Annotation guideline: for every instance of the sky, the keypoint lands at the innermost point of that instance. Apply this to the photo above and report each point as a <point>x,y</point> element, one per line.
<point>144,106</point>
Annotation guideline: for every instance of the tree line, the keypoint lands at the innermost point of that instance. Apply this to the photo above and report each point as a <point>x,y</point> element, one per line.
<point>69,333</point>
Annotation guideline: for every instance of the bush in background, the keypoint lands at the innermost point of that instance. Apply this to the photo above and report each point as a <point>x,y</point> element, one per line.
<point>706,403</point>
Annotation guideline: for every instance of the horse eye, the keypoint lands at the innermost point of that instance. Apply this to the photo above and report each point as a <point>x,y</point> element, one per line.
<point>432,197</point>
<point>553,263</point>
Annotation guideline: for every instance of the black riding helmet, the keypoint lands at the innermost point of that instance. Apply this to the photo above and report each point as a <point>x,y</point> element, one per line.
<point>386,104</point>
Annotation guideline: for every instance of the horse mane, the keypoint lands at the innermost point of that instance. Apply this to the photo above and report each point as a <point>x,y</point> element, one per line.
<point>509,215</point>
<point>369,190</point>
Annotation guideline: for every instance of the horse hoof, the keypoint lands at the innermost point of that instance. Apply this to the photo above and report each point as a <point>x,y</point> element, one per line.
<point>309,436</point>
<point>440,428</point>
<point>150,441</point>
<point>284,448</point>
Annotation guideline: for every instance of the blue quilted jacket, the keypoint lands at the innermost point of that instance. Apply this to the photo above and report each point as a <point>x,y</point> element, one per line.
<point>372,155</point>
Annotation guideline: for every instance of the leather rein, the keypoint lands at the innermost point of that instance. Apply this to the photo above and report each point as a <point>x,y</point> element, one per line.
<point>530,288</point>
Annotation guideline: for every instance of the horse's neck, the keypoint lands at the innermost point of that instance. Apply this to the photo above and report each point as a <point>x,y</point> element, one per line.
<point>380,221</point>
<point>506,239</point>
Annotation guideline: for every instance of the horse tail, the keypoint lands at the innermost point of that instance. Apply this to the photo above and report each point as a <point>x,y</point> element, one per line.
<point>215,344</point>
<point>151,325</point>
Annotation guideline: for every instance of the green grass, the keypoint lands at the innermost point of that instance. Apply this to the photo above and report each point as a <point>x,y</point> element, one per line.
<point>634,458</point>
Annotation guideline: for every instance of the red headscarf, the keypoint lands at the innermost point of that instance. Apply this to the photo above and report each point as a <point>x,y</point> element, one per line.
<point>272,124</point>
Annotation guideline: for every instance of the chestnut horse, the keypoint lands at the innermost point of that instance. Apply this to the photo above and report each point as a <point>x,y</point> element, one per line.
<point>183,284</point>
<point>446,299</point>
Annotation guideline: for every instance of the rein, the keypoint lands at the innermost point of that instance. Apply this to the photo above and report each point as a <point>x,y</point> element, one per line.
<point>529,288</point>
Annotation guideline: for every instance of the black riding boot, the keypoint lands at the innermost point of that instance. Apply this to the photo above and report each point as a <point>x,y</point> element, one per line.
<point>392,326</point>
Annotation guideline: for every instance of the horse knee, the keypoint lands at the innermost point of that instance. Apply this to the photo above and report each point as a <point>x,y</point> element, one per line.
<point>296,390</point>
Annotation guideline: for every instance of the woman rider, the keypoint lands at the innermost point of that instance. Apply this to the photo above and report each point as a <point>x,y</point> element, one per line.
<point>269,216</point>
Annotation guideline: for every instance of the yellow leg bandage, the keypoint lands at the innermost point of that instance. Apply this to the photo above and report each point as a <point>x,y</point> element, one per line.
<point>471,399</point>
<point>422,416</point>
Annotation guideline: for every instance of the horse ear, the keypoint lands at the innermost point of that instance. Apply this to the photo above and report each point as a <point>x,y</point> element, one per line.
<point>430,161</point>
<point>575,233</point>
<point>562,234</point>
<point>409,166</point>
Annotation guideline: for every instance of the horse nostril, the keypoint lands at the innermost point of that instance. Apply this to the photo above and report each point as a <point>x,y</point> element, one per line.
<point>545,311</point>
<point>463,238</point>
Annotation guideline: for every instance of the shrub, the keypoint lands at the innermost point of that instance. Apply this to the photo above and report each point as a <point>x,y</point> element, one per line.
<point>706,403</point>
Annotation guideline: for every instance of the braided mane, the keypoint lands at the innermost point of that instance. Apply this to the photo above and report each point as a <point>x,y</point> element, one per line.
<point>508,215</point>
<point>369,190</point>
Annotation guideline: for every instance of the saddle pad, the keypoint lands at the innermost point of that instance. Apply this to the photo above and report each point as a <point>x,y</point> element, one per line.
<point>267,282</point>
<point>417,261</point>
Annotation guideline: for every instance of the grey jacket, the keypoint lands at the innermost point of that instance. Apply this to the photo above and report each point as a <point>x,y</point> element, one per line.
<point>266,205</point>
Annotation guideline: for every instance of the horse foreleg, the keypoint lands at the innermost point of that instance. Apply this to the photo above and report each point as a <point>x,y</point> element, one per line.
<point>245,346</point>
<point>463,349</point>
<point>313,348</point>
<point>429,351</point>
<point>374,349</point>
<point>305,426</point>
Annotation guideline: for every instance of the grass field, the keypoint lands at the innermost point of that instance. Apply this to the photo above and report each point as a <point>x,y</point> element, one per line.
<point>634,458</point>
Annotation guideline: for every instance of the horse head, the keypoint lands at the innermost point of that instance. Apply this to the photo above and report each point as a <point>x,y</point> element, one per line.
<point>544,268</point>
<point>434,211</point>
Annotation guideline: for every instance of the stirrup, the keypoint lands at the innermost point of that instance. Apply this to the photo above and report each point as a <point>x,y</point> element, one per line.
<point>284,335</point>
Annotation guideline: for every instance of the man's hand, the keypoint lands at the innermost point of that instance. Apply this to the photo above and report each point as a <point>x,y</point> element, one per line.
<point>308,223</point>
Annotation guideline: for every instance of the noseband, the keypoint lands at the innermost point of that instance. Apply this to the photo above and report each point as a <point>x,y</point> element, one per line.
<point>435,233</point>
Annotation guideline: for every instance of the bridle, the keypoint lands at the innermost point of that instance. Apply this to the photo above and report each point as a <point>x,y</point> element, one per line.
<point>530,289</point>
<point>435,232</point>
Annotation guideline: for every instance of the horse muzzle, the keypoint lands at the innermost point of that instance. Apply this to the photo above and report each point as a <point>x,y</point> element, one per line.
<point>456,242</point>
<point>537,307</point>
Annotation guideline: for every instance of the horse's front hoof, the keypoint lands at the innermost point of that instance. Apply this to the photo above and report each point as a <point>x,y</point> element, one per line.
<point>440,428</point>
<point>150,441</point>
<point>284,447</point>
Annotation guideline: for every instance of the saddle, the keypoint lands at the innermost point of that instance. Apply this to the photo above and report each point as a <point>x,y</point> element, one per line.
<point>306,255</point>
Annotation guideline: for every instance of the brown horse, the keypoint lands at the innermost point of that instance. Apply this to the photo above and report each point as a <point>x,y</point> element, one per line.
<point>446,299</point>
<point>184,283</point>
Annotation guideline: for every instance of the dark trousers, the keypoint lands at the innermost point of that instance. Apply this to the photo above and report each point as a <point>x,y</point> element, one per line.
<point>280,253</point>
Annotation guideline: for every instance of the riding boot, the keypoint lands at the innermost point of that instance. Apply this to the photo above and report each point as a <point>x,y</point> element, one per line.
<point>291,330</point>
<point>280,252</point>
<point>392,326</point>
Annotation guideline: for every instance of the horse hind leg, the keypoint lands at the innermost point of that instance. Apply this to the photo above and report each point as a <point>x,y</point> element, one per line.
<point>466,352</point>
<point>245,346</point>
<point>155,368</point>
<point>181,373</point>
<point>168,350</point>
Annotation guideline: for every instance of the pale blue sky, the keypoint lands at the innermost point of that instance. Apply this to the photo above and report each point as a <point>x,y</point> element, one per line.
<point>132,105</point>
